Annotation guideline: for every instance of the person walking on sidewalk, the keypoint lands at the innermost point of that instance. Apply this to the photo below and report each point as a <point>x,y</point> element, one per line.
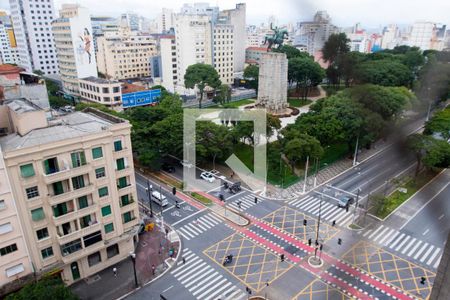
<point>153,269</point>
<point>115,271</point>
<point>184,260</point>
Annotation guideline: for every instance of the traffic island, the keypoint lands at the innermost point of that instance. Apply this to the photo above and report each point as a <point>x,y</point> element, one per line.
<point>315,261</point>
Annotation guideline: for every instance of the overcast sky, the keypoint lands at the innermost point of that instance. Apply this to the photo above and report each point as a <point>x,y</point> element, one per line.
<point>371,13</point>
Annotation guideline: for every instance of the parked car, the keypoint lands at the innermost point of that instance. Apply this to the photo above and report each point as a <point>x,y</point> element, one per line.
<point>168,168</point>
<point>159,198</point>
<point>207,176</point>
<point>345,201</point>
<point>186,164</point>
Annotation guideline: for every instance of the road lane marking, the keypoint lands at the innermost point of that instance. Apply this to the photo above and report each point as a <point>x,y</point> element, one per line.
<point>427,253</point>
<point>386,236</point>
<point>391,238</point>
<point>436,252</point>
<point>187,217</point>
<point>441,216</point>
<point>420,251</point>
<point>436,264</point>
<point>425,232</point>
<point>167,289</point>
<point>383,232</point>
<point>409,245</point>
<point>373,233</point>
<point>397,240</point>
<point>414,248</point>
<point>402,243</point>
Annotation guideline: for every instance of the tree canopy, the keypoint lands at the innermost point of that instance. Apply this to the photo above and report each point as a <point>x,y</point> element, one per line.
<point>383,72</point>
<point>201,76</point>
<point>305,72</point>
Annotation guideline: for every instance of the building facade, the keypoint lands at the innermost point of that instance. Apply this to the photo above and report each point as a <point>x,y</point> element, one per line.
<point>103,91</point>
<point>223,52</point>
<point>73,182</point>
<point>169,65</point>
<point>166,20</point>
<point>73,39</point>
<point>253,55</point>
<point>32,27</point>
<point>126,55</point>
<point>8,46</point>
<point>427,35</point>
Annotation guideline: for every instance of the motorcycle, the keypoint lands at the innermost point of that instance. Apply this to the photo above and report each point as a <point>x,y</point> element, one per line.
<point>228,259</point>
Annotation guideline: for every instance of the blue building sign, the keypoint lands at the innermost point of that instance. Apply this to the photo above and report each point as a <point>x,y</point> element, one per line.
<point>141,98</point>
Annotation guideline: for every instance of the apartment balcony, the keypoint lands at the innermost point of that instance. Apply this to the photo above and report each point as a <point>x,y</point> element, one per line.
<point>75,215</point>
<point>69,195</point>
<point>64,239</point>
<point>83,252</point>
<point>65,172</point>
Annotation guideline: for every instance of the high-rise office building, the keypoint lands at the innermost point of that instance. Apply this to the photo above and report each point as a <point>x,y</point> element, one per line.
<point>32,27</point>
<point>74,46</point>
<point>166,20</point>
<point>8,45</point>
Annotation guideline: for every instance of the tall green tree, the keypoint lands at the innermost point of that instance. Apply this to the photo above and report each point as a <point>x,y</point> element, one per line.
<point>213,141</point>
<point>334,49</point>
<point>384,72</point>
<point>46,288</point>
<point>223,94</point>
<point>306,73</point>
<point>302,146</point>
<point>291,52</point>
<point>439,123</point>
<point>251,74</point>
<point>201,76</point>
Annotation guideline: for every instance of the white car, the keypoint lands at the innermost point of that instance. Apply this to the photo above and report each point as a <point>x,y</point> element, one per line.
<point>186,164</point>
<point>207,176</point>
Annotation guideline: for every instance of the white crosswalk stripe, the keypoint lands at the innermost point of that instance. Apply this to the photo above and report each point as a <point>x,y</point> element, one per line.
<point>198,226</point>
<point>329,211</point>
<point>405,244</point>
<point>247,201</point>
<point>203,281</point>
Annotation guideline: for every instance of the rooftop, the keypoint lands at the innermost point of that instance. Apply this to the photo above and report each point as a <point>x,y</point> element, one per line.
<point>8,69</point>
<point>98,80</point>
<point>22,106</point>
<point>257,48</point>
<point>69,126</point>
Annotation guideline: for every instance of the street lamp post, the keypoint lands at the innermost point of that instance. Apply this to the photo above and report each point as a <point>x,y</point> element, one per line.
<point>317,170</point>
<point>133,258</point>
<point>356,151</point>
<point>306,174</point>
<point>265,290</point>
<point>318,224</point>
<point>356,205</point>
<point>149,190</point>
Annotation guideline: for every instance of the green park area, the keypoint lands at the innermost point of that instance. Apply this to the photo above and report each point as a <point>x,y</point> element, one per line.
<point>234,104</point>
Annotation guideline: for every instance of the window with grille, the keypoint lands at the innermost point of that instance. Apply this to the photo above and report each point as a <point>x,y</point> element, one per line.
<point>32,192</point>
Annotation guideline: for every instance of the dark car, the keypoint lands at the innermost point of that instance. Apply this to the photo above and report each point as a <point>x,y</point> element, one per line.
<point>168,168</point>
<point>345,201</point>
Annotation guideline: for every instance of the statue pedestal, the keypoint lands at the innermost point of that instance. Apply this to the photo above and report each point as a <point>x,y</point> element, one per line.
<point>273,81</point>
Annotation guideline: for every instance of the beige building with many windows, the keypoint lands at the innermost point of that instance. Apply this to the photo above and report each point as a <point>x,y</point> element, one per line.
<point>103,91</point>
<point>73,183</point>
<point>126,55</point>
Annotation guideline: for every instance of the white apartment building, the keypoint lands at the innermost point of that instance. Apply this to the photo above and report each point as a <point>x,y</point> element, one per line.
<point>103,91</point>
<point>390,37</point>
<point>8,46</point>
<point>32,27</point>
<point>73,183</point>
<point>223,52</point>
<point>74,46</point>
<point>165,20</point>
<point>169,66</point>
<point>126,55</point>
<point>425,36</point>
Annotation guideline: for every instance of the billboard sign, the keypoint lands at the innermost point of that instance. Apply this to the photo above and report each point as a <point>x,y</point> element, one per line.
<point>141,98</point>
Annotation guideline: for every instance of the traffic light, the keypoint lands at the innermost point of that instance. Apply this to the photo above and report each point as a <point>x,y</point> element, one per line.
<point>305,222</point>
<point>422,280</point>
<point>174,191</point>
<point>282,257</point>
<point>339,241</point>
<point>309,241</point>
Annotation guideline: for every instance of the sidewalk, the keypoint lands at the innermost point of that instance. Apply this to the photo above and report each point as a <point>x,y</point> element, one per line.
<point>105,286</point>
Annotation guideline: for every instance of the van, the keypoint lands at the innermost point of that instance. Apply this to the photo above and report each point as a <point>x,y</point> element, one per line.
<point>345,201</point>
<point>159,198</point>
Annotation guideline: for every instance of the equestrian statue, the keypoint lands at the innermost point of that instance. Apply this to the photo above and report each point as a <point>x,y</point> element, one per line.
<point>277,38</point>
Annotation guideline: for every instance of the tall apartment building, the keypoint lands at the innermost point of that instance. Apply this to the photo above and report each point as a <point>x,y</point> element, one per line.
<point>75,52</point>
<point>390,37</point>
<point>73,183</point>
<point>126,55</point>
<point>236,18</point>
<point>315,33</point>
<point>101,26</point>
<point>169,67</point>
<point>166,20</point>
<point>223,52</point>
<point>32,27</point>
<point>130,20</point>
<point>8,46</point>
<point>427,35</point>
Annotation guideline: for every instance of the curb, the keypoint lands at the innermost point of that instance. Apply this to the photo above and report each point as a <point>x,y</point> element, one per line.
<point>160,275</point>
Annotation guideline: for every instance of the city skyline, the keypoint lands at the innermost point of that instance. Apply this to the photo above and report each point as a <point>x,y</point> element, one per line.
<point>344,13</point>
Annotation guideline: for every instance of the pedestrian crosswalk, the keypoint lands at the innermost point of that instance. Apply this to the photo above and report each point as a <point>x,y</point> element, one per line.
<point>247,201</point>
<point>329,212</point>
<point>203,281</point>
<point>198,226</point>
<point>405,244</point>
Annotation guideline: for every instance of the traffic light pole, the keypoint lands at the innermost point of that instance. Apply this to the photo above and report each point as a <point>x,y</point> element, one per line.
<point>318,224</point>
<point>356,206</point>
<point>149,195</point>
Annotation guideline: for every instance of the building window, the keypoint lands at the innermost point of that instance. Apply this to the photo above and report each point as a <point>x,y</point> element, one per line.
<point>105,90</point>
<point>92,238</point>
<point>8,249</point>
<point>37,214</point>
<point>47,252</point>
<point>58,188</point>
<point>42,233</point>
<point>71,247</point>
<point>100,172</point>
<point>127,217</point>
<point>78,159</point>
<point>5,228</point>
<point>97,153</point>
<point>13,271</point>
<point>109,227</point>
<point>120,164</point>
<point>32,192</point>
<point>82,202</point>
<point>122,182</point>
<point>94,258</point>
<point>116,89</point>
<point>27,170</point>
<point>125,200</point>
<point>112,250</point>
<point>118,145</point>
<point>103,191</point>
<point>106,210</point>
<point>60,209</point>
<point>78,182</point>
<point>51,166</point>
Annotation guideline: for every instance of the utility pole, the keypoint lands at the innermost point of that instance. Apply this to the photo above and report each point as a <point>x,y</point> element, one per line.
<point>356,151</point>
<point>306,174</point>
<point>149,194</point>
<point>318,223</point>
<point>317,170</point>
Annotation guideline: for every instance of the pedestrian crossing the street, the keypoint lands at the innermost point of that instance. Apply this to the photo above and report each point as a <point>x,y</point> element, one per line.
<point>198,226</point>
<point>329,211</point>
<point>203,281</point>
<point>247,201</point>
<point>405,244</point>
